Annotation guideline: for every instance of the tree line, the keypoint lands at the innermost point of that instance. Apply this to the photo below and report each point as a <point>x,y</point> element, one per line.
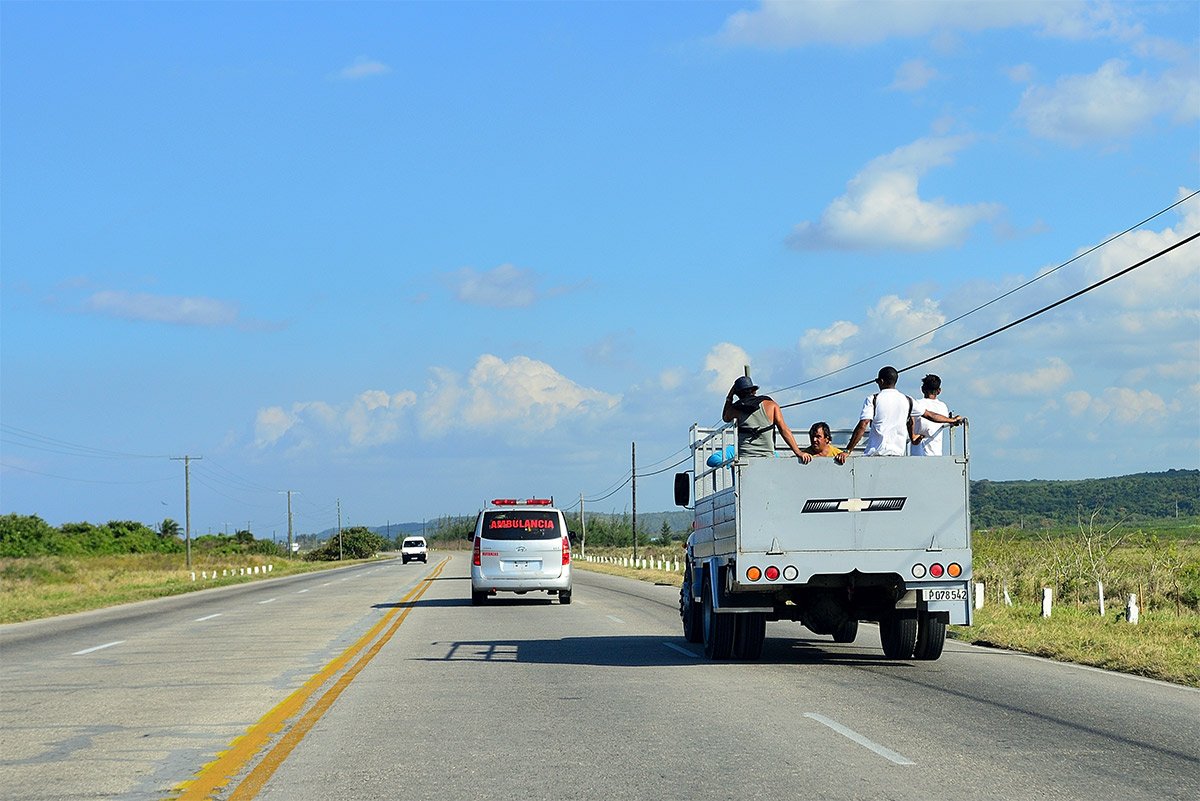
<point>1032,505</point>
<point>23,536</point>
<point>1037,504</point>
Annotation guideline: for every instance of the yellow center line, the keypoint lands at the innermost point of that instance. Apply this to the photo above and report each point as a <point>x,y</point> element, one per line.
<point>218,773</point>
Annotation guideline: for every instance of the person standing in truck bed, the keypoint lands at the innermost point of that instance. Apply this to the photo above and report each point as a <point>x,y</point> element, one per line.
<point>887,419</point>
<point>757,418</point>
<point>927,433</point>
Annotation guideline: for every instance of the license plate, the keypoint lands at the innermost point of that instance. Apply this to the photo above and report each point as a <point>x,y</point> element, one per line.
<point>526,564</point>
<point>946,594</point>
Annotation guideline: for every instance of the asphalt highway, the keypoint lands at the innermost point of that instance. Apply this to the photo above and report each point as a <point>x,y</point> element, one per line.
<point>384,682</point>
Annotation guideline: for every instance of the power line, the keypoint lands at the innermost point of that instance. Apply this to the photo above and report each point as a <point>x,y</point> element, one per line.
<point>7,466</point>
<point>1007,326</point>
<point>996,299</point>
<point>63,447</point>
<point>976,340</point>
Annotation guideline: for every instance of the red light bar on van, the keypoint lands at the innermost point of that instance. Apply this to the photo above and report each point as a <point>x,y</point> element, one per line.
<point>504,502</point>
<point>526,502</point>
<point>539,501</point>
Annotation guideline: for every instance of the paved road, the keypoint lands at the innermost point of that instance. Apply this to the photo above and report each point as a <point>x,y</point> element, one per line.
<point>419,695</point>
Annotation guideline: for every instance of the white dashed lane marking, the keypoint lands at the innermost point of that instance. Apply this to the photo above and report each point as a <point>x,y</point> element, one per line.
<point>97,648</point>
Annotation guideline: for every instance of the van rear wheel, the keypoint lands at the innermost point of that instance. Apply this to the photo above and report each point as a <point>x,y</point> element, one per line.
<point>477,598</point>
<point>564,596</point>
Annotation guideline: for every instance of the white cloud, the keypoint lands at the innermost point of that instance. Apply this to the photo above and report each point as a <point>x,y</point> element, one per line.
<point>272,423</point>
<point>439,407</point>
<point>830,337</point>
<point>672,378</point>
<point>1174,275</point>
<point>527,392</point>
<point>174,310</point>
<point>1126,405</point>
<point>883,209</point>
<point>504,287</point>
<point>374,418</point>
<point>725,362</point>
<point>1031,382</point>
<point>363,67</point>
<point>785,23</point>
<point>898,319</point>
<point>913,76</point>
<point>1077,402</point>
<point>1109,104</point>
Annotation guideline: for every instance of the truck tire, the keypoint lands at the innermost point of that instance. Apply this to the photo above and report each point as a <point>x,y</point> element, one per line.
<point>898,636</point>
<point>564,596</point>
<point>847,632</point>
<point>750,631</point>
<point>931,637</point>
<point>718,628</point>
<point>690,611</point>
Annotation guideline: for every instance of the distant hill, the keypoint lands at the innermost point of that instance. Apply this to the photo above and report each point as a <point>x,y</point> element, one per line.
<point>1138,497</point>
<point>1142,496</point>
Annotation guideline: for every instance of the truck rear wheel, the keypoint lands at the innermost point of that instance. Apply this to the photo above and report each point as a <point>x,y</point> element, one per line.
<point>750,631</point>
<point>847,632</point>
<point>898,636</point>
<point>689,610</point>
<point>718,628</point>
<point>931,637</point>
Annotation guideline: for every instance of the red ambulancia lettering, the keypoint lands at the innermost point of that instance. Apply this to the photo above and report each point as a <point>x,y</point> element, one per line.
<point>521,524</point>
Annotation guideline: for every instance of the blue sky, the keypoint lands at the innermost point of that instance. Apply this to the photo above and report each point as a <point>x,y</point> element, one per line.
<point>412,256</point>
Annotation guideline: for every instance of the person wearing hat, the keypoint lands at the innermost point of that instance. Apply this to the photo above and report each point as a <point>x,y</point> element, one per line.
<point>757,418</point>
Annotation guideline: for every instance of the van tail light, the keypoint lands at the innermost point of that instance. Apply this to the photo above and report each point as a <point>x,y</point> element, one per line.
<point>566,551</point>
<point>475,554</point>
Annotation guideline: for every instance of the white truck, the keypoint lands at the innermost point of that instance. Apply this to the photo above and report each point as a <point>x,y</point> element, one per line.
<point>884,539</point>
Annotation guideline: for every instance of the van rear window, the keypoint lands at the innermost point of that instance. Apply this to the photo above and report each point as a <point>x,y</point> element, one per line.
<point>521,525</point>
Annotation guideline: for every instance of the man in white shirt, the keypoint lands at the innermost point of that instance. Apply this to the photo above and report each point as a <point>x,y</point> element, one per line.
<point>887,419</point>
<point>927,434</point>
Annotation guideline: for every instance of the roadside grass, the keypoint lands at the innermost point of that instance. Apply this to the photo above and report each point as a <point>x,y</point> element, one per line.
<point>58,585</point>
<point>1162,645</point>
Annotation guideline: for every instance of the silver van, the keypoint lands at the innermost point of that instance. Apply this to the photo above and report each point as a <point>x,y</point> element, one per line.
<point>521,546</point>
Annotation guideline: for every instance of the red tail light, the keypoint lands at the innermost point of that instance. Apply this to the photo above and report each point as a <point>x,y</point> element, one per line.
<point>566,551</point>
<point>475,554</point>
<point>935,570</point>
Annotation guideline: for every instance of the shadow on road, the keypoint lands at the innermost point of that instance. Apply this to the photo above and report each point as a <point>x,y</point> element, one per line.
<point>647,651</point>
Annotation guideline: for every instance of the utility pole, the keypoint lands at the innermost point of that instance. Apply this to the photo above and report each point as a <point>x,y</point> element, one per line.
<point>289,497</point>
<point>583,529</point>
<point>339,507</point>
<point>633,475</point>
<point>187,504</point>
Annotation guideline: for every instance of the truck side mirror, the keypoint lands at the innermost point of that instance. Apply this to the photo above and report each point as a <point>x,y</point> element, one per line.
<point>683,489</point>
